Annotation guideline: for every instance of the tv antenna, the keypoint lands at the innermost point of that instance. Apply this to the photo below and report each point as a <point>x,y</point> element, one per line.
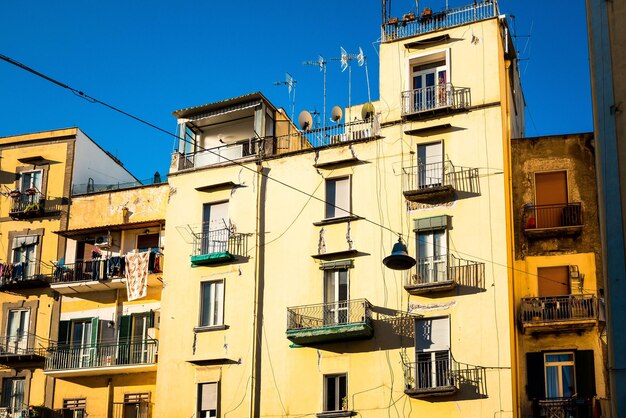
<point>290,82</point>
<point>345,63</point>
<point>321,63</point>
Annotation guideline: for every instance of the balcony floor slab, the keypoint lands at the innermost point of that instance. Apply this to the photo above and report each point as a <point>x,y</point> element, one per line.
<point>332,333</point>
<point>102,371</point>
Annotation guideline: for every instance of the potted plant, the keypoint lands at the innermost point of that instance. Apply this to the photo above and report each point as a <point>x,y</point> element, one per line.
<point>15,193</point>
<point>392,20</point>
<point>344,403</point>
<point>30,191</point>
<point>409,17</point>
<point>427,13</point>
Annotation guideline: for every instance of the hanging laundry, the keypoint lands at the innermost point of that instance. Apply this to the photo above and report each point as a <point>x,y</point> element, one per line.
<point>137,275</point>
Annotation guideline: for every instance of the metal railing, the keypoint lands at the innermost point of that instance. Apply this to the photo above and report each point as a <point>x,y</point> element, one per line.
<point>23,343</point>
<point>63,357</point>
<point>334,134</point>
<point>431,98</point>
<point>559,308</point>
<point>430,22</point>
<point>139,409</point>
<point>34,205</point>
<point>329,314</point>
<point>220,241</point>
<point>553,216</point>
<point>16,274</point>
<point>564,408</point>
<point>439,370</point>
<point>87,188</point>
<point>427,176</point>
<point>446,268</point>
<point>221,154</point>
<point>100,269</point>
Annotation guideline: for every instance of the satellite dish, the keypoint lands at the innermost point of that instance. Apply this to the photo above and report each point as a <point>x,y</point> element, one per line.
<point>336,114</point>
<point>367,111</point>
<point>305,120</point>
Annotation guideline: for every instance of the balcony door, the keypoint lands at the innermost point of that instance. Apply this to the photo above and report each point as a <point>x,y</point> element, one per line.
<point>429,165</point>
<point>139,340</point>
<point>432,256</point>
<point>17,330</point>
<point>13,397</point>
<point>82,344</point>
<point>550,198</point>
<point>432,353</point>
<point>429,86</point>
<point>215,224</point>
<point>25,254</point>
<point>336,305</point>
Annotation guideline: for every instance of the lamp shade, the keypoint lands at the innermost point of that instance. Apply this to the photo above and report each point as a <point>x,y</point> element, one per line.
<point>399,258</point>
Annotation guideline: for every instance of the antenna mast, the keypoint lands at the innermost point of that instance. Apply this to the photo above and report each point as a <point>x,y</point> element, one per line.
<point>345,63</point>
<point>322,64</point>
<point>290,82</point>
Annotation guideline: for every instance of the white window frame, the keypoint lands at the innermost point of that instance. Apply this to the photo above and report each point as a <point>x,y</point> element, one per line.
<point>559,366</point>
<point>334,209</point>
<point>434,267</point>
<point>208,411</point>
<point>424,58</point>
<point>216,307</point>
<point>31,184</point>
<point>23,253</point>
<point>337,310</point>
<point>339,404</point>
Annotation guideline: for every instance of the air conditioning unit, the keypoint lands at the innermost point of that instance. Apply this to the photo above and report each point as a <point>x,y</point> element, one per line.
<point>103,241</point>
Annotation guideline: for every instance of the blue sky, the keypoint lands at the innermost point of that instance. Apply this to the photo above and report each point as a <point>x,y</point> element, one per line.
<point>151,58</point>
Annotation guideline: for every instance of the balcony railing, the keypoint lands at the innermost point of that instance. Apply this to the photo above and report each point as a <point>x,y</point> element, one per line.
<point>561,311</point>
<point>89,356</point>
<point>221,154</point>
<point>565,218</point>
<point>425,182</point>
<point>91,187</point>
<point>25,275</point>
<point>563,408</point>
<point>131,409</point>
<point>430,22</point>
<point>435,98</point>
<point>330,135</point>
<point>26,206</point>
<point>22,346</point>
<point>444,272</point>
<point>105,268</point>
<point>218,246</point>
<point>331,321</point>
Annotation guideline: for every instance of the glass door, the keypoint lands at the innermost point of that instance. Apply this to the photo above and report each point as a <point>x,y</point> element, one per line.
<point>81,343</point>
<point>429,86</point>
<point>215,225</point>
<point>139,338</point>
<point>13,397</point>
<point>336,297</point>
<point>17,327</point>
<point>432,256</point>
<point>430,165</point>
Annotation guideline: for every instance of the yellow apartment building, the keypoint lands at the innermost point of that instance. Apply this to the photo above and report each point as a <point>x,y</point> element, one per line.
<point>37,172</point>
<point>560,332</point>
<point>275,298</point>
<point>110,279</point>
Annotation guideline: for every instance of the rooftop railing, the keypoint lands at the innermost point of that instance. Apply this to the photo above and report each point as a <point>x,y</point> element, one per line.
<point>559,308</point>
<point>64,357</point>
<point>221,154</point>
<point>329,314</point>
<point>433,21</point>
<point>87,188</point>
<point>434,98</point>
<point>330,135</point>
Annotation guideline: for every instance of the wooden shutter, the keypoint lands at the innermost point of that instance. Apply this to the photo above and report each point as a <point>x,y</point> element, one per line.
<point>553,281</point>
<point>64,332</point>
<point>535,380</point>
<point>124,328</point>
<point>585,374</point>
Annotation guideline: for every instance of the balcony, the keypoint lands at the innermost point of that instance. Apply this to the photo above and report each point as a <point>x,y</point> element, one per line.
<point>22,348</point>
<point>26,275</point>
<point>100,274</point>
<point>218,246</point>
<point>433,100</point>
<point>438,182</point>
<point>102,359</point>
<point>331,135</point>
<point>559,313</point>
<point>431,22</point>
<point>139,409</point>
<point>544,221</point>
<point>563,408</point>
<point>330,322</point>
<point>443,273</point>
<point>35,205</point>
<point>218,155</point>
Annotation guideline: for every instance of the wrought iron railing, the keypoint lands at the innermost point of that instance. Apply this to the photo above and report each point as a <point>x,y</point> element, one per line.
<point>431,98</point>
<point>553,216</point>
<point>34,205</point>
<point>68,356</point>
<point>220,241</point>
<point>435,371</point>
<point>430,22</point>
<point>563,408</point>
<point>23,343</point>
<point>446,268</point>
<point>427,176</point>
<point>559,308</point>
<point>104,268</point>
<point>24,273</point>
<point>131,409</point>
<point>87,188</point>
<point>221,154</point>
<point>330,135</point>
<point>329,314</point>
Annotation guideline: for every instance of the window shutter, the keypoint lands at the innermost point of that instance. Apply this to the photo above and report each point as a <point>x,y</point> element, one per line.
<point>94,331</point>
<point>585,374</point>
<point>431,224</point>
<point>208,397</point>
<point>535,381</point>
<point>64,332</point>
<point>432,334</point>
<point>124,328</point>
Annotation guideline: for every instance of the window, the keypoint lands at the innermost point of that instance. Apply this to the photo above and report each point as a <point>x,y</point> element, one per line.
<point>25,255</point>
<point>147,241</point>
<point>338,198</point>
<point>212,303</point>
<point>13,394</point>
<point>74,408</point>
<point>135,345</point>
<point>429,86</point>
<point>335,392</point>
<point>207,400</point>
<point>430,165</point>
<point>336,297</point>
<point>136,405</point>
<point>565,374</point>
<point>553,281</point>
<point>432,249</point>
<point>31,180</point>
<point>17,330</point>
<point>81,337</point>
<point>550,199</point>
<point>215,228</point>
<point>432,353</point>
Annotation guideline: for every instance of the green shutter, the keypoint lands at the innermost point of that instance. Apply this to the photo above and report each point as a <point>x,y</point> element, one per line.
<point>431,224</point>
<point>64,332</point>
<point>94,331</point>
<point>335,265</point>
<point>585,374</point>
<point>535,381</point>
<point>124,328</point>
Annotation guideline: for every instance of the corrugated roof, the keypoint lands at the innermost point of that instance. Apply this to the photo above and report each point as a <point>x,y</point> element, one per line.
<point>222,103</point>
